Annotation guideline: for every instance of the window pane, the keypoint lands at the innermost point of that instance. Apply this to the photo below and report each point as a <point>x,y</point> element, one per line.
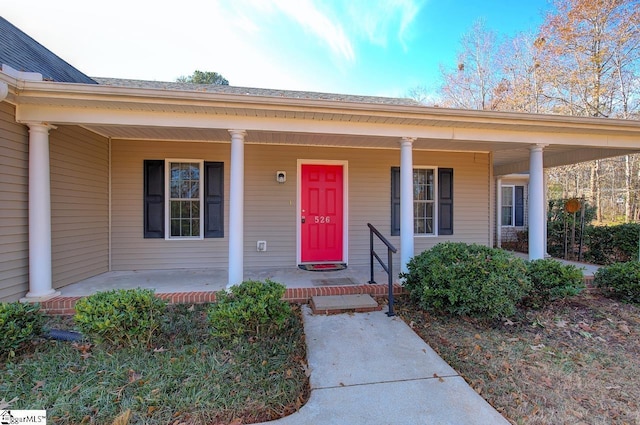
<point>507,195</point>
<point>175,227</point>
<point>507,216</point>
<point>184,199</point>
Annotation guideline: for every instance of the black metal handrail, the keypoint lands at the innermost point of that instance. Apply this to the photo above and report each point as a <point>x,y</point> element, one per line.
<point>387,267</point>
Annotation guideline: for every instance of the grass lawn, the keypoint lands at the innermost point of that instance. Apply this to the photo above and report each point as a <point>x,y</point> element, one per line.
<point>185,377</point>
<point>574,362</point>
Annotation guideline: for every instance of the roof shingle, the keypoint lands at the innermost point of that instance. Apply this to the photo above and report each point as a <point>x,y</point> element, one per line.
<point>23,53</point>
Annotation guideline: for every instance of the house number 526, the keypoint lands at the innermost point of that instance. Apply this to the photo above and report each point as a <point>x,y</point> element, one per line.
<point>322,219</point>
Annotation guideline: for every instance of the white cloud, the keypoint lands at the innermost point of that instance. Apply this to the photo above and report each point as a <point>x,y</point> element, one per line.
<point>325,27</point>
<point>377,21</point>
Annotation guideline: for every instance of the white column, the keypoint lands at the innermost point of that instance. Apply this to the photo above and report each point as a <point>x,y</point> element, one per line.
<point>40,285</point>
<point>536,203</point>
<point>406,202</point>
<point>499,212</point>
<point>236,209</point>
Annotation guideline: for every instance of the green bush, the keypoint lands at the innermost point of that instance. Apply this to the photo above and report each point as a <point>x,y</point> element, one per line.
<point>620,281</point>
<point>612,244</point>
<point>250,308</point>
<point>466,279</point>
<point>550,281</point>
<point>122,317</point>
<point>19,323</point>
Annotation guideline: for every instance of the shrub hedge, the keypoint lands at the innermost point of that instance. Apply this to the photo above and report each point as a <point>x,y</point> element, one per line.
<point>464,279</point>
<point>19,323</point>
<point>620,281</point>
<point>121,317</point>
<point>550,281</point>
<point>250,308</point>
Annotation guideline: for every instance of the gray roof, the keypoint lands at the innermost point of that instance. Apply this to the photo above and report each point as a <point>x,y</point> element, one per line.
<point>23,53</point>
<point>248,91</point>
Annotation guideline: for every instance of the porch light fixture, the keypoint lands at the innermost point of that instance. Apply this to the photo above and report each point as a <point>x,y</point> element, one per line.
<point>281,176</point>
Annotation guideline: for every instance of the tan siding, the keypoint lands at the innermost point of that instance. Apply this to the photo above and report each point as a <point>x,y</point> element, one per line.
<point>270,207</point>
<point>79,204</point>
<point>14,219</point>
<point>130,251</point>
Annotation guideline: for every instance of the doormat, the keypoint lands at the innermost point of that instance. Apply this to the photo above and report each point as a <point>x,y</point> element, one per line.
<point>339,281</point>
<point>323,267</point>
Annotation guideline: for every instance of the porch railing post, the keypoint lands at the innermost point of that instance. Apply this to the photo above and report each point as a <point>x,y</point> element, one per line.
<point>387,267</point>
<point>371,281</point>
<point>389,274</point>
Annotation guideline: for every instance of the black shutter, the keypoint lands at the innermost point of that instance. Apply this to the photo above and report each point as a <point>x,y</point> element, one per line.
<point>445,201</point>
<point>519,207</point>
<point>213,199</point>
<point>153,198</point>
<point>395,201</point>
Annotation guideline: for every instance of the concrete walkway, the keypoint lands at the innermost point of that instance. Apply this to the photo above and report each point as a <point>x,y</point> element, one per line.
<point>367,368</point>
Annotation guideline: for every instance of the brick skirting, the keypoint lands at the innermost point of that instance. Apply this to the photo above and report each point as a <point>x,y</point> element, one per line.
<point>65,305</point>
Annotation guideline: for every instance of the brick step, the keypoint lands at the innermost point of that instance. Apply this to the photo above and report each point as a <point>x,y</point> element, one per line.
<point>335,304</point>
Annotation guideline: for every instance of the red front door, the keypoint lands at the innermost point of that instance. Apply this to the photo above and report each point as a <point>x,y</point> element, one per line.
<point>321,213</point>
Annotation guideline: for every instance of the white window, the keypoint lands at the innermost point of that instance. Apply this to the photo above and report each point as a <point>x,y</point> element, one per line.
<point>513,205</point>
<point>424,201</point>
<point>184,199</point>
<point>508,203</point>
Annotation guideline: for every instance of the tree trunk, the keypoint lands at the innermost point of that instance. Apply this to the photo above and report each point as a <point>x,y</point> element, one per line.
<point>595,190</point>
<point>627,189</point>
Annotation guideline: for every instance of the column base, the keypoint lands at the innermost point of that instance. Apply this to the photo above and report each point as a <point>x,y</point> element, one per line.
<point>36,298</point>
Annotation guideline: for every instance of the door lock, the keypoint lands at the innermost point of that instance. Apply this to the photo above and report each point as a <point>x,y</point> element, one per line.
<point>302,219</point>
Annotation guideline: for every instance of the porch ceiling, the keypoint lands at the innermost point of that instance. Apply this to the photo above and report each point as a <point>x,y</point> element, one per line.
<point>169,114</point>
<point>507,157</point>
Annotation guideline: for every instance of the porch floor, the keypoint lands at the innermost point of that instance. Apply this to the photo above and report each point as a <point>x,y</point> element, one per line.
<point>205,280</point>
<point>200,285</point>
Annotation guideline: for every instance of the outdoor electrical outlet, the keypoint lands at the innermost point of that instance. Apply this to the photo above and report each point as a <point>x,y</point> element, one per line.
<point>261,246</point>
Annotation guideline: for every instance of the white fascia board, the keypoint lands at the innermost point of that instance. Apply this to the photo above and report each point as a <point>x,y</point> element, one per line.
<point>96,116</point>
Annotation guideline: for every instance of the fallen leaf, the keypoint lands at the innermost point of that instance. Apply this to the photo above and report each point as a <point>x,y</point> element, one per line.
<point>585,327</point>
<point>561,323</point>
<point>193,307</point>
<point>159,350</point>
<point>122,418</point>
<point>508,322</point>
<point>74,389</point>
<point>134,376</point>
<point>236,421</point>
<point>39,384</point>
<point>624,328</point>
<point>537,347</point>
<point>4,403</point>
<point>151,409</point>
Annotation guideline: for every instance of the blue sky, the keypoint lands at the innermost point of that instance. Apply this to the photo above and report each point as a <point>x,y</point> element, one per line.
<point>367,47</point>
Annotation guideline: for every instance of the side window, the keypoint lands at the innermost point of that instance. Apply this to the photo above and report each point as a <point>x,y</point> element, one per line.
<point>189,193</point>
<point>507,205</point>
<point>512,205</point>
<point>432,200</point>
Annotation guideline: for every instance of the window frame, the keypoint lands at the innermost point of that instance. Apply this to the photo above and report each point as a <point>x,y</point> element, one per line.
<point>168,199</point>
<point>513,205</point>
<point>518,209</point>
<point>434,202</point>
